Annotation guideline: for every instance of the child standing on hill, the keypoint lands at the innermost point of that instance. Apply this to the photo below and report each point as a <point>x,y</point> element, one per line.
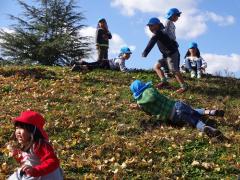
<point>194,63</point>
<point>114,64</point>
<point>102,39</point>
<point>172,16</point>
<point>152,102</point>
<point>36,155</point>
<point>169,48</point>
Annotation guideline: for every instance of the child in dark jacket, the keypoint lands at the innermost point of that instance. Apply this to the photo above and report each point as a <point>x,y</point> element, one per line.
<point>102,39</point>
<point>169,49</point>
<point>152,102</point>
<point>36,155</point>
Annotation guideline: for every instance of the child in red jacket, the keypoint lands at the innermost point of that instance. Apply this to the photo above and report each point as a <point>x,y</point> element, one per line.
<point>36,155</point>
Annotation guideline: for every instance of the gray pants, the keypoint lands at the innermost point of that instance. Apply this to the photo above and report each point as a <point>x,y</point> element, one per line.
<point>171,61</point>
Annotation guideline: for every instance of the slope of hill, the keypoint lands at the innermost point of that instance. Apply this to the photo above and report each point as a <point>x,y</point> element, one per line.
<point>97,135</point>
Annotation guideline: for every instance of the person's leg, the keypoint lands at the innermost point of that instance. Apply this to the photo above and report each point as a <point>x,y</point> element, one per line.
<point>160,73</point>
<point>186,114</point>
<point>174,68</point>
<point>199,70</point>
<point>104,64</point>
<point>200,111</point>
<point>100,53</point>
<point>105,57</point>
<point>214,112</point>
<point>188,65</point>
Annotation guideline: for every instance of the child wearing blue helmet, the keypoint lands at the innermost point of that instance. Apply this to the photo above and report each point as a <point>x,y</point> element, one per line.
<point>172,16</point>
<point>169,49</point>
<point>113,64</point>
<point>153,103</point>
<point>194,63</point>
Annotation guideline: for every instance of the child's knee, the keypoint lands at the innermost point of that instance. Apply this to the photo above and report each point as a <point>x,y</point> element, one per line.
<point>157,67</point>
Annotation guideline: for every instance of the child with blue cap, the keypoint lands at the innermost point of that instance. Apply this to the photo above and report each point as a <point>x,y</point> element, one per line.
<point>194,63</point>
<point>169,49</point>
<point>102,39</point>
<point>172,16</point>
<point>113,64</point>
<point>152,102</point>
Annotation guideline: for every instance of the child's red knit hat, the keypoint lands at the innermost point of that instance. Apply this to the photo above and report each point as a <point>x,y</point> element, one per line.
<point>33,118</point>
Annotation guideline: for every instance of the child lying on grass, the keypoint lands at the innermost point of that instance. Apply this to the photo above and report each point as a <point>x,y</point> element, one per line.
<point>113,64</point>
<point>152,102</point>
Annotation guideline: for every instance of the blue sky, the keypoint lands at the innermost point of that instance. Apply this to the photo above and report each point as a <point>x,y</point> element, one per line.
<point>214,25</point>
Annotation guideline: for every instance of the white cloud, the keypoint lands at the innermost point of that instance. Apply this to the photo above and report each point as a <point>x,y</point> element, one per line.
<point>129,7</point>
<point>221,63</point>
<point>114,44</point>
<point>220,20</point>
<point>192,22</point>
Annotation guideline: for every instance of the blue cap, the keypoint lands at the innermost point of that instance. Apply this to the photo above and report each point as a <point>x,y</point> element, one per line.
<point>171,12</point>
<point>125,50</point>
<point>193,45</point>
<point>137,87</point>
<point>153,21</point>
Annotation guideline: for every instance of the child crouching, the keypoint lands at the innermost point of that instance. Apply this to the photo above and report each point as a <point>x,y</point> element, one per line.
<point>152,102</point>
<point>35,154</point>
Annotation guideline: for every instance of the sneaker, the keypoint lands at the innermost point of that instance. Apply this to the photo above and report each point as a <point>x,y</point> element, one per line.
<point>219,113</point>
<point>162,85</point>
<point>181,90</point>
<point>199,74</point>
<point>211,132</point>
<point>193,74</point>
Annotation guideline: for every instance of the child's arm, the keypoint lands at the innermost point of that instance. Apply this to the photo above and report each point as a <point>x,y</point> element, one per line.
<point>109,35</point>
<point>204,64</point>
<point>150,45</point>
<point>48,161</point>
<point>122,66</point>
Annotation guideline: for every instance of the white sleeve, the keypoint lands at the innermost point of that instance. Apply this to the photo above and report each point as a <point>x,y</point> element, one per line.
<point>122,66</point>
<point>204,63</point>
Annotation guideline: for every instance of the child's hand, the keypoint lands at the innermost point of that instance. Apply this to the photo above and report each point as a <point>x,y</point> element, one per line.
<point>11,149</point>
<point>134,106</point>
<point>29,170</point>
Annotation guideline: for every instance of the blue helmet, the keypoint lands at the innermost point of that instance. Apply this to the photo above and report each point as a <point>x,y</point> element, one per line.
<point>171,12</point>
<point>137,87</point>
<point>193,45</point>
<point>125,50</point>
<point>153,21</point>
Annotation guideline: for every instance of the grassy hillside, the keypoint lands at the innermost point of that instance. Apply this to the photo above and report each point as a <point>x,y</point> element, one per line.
<point>97,135</point>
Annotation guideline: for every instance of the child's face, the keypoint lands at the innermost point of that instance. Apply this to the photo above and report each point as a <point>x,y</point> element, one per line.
<point>193,51</point>
<point>102,24</point>
<point>174,18</point>
<point>154,28</point>
<point>22,135</point>
<point>126,56</point>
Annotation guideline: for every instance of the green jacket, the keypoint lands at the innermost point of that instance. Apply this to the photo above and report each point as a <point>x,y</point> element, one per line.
<point>154,103</point>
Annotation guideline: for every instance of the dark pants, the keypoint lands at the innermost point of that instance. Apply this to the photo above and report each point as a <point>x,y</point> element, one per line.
<point>102,53</point>
<point>103,64</point>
